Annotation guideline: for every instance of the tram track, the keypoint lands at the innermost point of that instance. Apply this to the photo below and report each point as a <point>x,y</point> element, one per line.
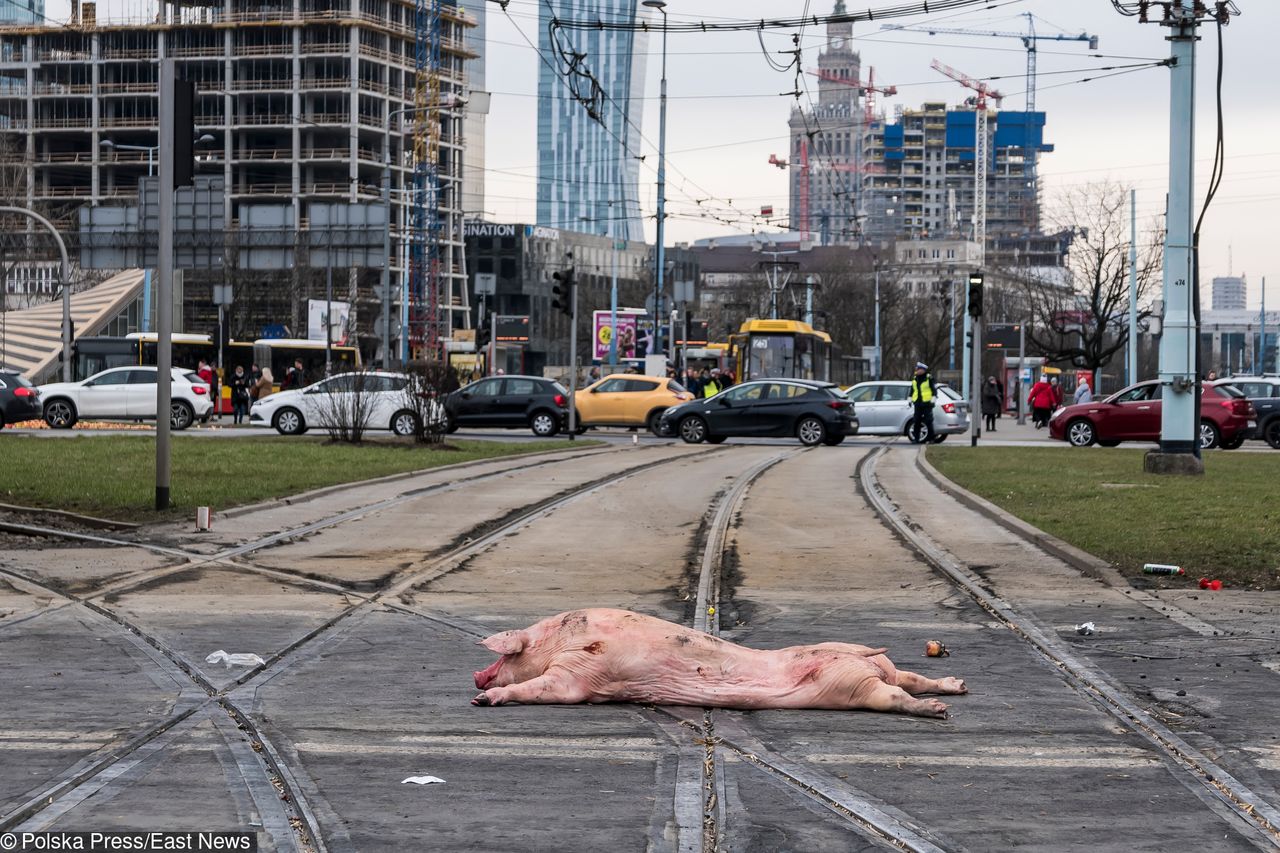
<point>200,698</point>
<point>1258,819</point>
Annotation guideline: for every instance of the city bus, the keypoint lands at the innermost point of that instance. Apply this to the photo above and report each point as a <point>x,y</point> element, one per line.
<point>790,349</point>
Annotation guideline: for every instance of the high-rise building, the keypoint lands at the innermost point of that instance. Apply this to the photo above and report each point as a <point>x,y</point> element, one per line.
<point>825,144</point>
<point>21,12</point>
<point>475,114</point>
<point>919,179</point>
<point>292,109</point>
<point>1229,293</point>
<point>590,100</point>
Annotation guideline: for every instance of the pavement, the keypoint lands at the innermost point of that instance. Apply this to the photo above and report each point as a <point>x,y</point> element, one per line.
<point>366,603</point>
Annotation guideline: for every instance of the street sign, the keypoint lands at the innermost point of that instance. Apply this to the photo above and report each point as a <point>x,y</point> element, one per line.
<point>1001,335</point>
<point>684,292</point>
<point>486,284</point>
<point>222,294</point>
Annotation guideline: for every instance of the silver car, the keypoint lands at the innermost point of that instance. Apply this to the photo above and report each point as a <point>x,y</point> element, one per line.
<point>884,408</point>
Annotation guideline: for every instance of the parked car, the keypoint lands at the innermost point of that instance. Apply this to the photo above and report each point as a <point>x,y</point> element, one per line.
<point>628,400</point>
<point>884,408</point>
<point>511,402</point>
<point>1264,393</point>
<point>386,400</point>
<point>814,412</point>
<point>19,399</point>
<point>1133,414</point>
<point>125,393</point>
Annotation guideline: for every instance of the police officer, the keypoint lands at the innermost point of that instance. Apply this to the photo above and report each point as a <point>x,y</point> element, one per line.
<point>923,393</point>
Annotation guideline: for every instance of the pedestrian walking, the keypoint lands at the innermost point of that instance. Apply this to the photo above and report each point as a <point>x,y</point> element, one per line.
<point>294,377</point>
<point>1057,395</point>
<point>240,384</point>
<point>1041,401</point>
<point>1084,394</point>
<point>263,387</point>
<point>992,402</point>
<point>923,393</point>
<point>692,383</point>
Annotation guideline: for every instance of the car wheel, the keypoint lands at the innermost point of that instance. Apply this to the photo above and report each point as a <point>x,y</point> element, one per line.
<point>1271,433</point>
<point>833,440</point>
<point>938,439</point>
<point>181,415</point>
<point>404,423</point>
<point>716,439</point>
<point>810,431</point>
<point>289,422</point>
<point>60,414</point>
<point>1110,442</point>
<point>1081,433</point>
<point>450,424</point>
<point>693,430</point>
<point>543,424</point>
<point>916,436</point>
<point>1234,443</point>
<point>655,422</point>
<point>1210,437</point>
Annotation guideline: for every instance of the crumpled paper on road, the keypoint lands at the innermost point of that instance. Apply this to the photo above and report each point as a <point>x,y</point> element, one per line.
<point>423,780</point>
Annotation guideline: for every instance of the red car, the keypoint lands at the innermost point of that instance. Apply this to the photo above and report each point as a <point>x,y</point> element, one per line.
<point>1226,418</point>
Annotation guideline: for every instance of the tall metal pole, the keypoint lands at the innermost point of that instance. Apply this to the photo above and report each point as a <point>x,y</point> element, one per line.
<point>573,357</point>
<point>876,366</point>
<point>328,309</point>
<point>1022,365</point>
<point>1262,321</point>
<point>662,184</point>
<point>613,305</point>
<point>975,390</point>
<point>1179,420</point>
<point>164,285</point>
<point>951,347</point>
<point>1132,371</point>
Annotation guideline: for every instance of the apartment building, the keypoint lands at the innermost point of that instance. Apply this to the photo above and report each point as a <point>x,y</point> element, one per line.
<point>294,101</point>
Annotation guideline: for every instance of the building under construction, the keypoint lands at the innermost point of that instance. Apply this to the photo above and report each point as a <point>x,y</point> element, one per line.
<point>293,103</point>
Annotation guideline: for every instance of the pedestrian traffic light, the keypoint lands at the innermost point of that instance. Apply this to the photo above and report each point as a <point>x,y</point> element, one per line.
<point>563,290</point>
<point>975,294</point>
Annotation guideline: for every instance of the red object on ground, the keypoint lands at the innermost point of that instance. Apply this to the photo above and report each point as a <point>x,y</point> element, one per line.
<point>1215,585</point>
<point>1204,583</point>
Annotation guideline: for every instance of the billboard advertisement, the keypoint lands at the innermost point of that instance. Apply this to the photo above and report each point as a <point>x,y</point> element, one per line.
<point>339,324</point>
<point>628,333</point>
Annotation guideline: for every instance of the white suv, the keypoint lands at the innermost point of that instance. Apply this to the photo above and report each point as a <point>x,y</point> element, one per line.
<point>125,393</point>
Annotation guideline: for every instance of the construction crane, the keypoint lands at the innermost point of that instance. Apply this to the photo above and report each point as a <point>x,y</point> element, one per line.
<point>981,151</point>
<point>1028,39</point>
<point>424,238</point>
<point>803,225</point>
<point>868,90</point>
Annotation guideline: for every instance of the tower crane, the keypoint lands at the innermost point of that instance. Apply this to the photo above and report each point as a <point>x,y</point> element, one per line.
<point>1028,39</point>
<point>868,90</point>
<point>981,151</point>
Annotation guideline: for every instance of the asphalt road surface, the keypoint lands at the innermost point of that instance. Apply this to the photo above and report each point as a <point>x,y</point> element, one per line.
<point>1156,732</point>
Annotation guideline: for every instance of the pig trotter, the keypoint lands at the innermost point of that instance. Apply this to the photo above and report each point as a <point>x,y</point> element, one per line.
<point>886,697</point>
<point>481,699</point>
<point>917,684</point>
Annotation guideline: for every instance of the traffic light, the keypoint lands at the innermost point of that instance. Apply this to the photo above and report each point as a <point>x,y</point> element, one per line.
<point>563,290</point>
<point>184,133</point>
<point>975,294</point>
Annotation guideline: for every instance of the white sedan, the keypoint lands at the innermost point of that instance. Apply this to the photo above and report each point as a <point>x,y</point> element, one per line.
<point>379,400</point>
<point>125,393</point>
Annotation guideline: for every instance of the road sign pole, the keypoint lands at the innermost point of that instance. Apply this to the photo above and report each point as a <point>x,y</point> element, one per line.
<point>573,359</point>
<point>1022,365</point>
<point>164,284</point>
<point>975,391</point>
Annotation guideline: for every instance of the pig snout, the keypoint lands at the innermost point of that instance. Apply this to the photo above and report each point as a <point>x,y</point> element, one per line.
<point>486,676</point>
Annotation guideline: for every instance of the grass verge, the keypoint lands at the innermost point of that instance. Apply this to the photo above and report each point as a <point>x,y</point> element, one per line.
<point>1223,525</point>
<point>114,476</point>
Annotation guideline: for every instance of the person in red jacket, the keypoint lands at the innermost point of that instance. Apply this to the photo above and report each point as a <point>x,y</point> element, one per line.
<point>1042,401</point>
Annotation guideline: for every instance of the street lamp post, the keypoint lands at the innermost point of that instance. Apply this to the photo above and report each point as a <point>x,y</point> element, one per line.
<point>878,359</point>
<point>661,6</point>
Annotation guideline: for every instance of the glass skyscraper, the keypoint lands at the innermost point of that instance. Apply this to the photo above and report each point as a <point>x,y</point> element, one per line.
<point>588,171</point>
<point>21,11</point>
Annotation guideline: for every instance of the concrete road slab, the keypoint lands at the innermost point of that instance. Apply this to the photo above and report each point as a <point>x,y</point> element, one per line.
<point>208,608</point>
<point>79,570</point>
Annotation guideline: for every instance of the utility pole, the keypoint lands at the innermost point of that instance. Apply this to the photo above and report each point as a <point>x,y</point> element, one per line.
<point>164,283</point>
<point>876,372</point>
<point>1133,289</point>
<point>1179,451</point>
<point>661,6</point>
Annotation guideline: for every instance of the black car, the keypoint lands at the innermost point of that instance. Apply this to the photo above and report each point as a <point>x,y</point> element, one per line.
<point>540,404</point>
<point>19,399</point>
<point>814,412</point>
<point>1264,393</point>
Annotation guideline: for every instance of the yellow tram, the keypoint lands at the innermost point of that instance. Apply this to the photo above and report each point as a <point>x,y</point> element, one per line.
<point>790,349</point>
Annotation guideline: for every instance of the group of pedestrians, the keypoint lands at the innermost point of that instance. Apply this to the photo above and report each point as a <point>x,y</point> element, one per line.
<point>246,386</point>
<point>706,382</point>
<point>1045,396</point>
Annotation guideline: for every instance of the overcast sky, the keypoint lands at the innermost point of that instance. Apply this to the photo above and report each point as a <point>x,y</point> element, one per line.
<point>725,116</point>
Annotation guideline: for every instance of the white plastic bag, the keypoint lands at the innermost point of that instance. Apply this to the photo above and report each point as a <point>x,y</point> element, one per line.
<point>239,659</point>
<point>423,780</point>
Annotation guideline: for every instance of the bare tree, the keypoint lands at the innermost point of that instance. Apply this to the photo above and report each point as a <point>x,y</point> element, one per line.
<point>1084,320</point>
<point>346,405</point>
<point>429,382</point>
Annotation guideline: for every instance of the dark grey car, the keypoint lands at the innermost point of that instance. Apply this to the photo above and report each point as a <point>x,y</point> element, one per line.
<point>1264,393</point>
<point>814,412</point>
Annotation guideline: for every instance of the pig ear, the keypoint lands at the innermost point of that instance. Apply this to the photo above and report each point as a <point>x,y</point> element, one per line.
<point>506,643</point>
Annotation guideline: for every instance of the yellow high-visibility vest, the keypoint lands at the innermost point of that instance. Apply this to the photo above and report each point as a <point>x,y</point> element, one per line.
<point>922,391</point>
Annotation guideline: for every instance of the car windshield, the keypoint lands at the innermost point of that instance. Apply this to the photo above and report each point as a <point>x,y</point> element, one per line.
<point>948,392</point>
<point>1226,390</point>
<point>193,378</point>
<point>560,389</point>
